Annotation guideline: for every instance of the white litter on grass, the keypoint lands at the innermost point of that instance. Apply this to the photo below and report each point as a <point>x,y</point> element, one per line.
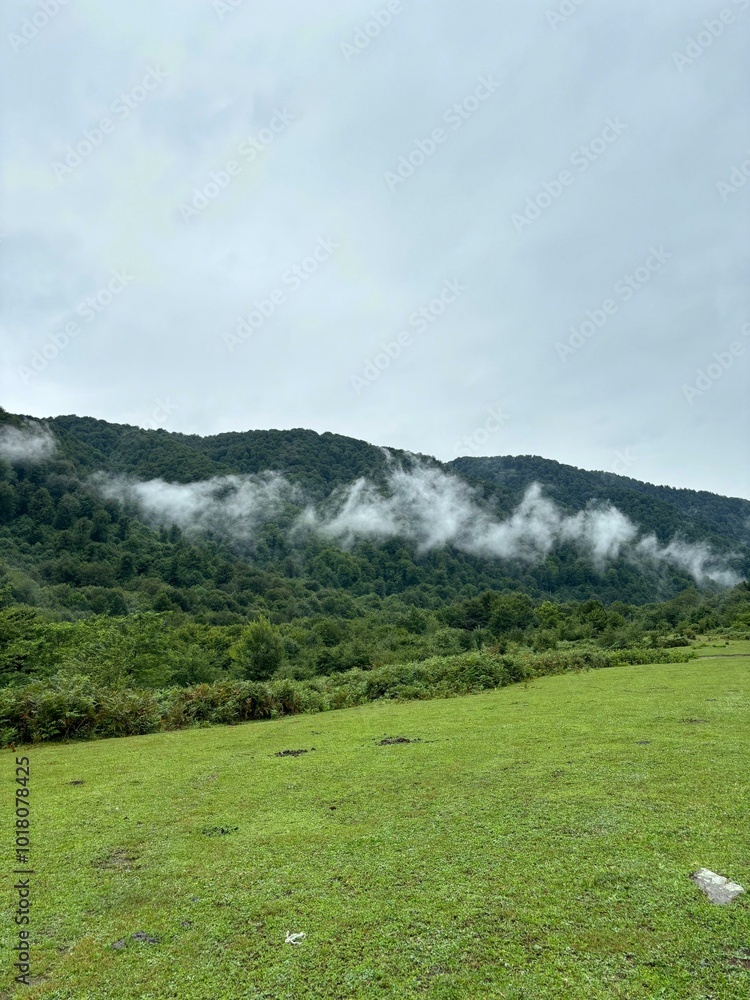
<point>295,938</point>
<point>718,888</point>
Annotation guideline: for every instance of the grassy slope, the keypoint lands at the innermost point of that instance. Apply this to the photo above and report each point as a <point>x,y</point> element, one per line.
<point>529,846</point>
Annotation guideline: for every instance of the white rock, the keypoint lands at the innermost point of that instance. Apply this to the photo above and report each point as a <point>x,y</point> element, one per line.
<point>295,938</point>
<point>718,889</point>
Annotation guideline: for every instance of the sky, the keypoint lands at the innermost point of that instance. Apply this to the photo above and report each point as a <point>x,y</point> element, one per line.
<point>478,229</point>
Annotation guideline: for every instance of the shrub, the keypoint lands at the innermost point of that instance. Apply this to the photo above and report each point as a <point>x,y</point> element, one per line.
<point>65,707</point>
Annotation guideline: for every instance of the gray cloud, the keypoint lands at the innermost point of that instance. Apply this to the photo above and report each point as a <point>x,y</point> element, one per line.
<point>323,176</point>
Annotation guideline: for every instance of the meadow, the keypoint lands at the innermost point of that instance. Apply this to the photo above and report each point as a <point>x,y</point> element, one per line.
<point>534,841</point>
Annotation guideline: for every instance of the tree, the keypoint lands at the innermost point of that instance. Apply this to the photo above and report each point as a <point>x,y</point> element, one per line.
<point>259,651</point>
<point>101,522</point>
<point>511,611</point>
<point>42,506</point>
<point>329,631</point>
<point>7,503</point>
<point>67,511</point>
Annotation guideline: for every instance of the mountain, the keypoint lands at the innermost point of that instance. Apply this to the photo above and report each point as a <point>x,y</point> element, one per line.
<point>98,517</point>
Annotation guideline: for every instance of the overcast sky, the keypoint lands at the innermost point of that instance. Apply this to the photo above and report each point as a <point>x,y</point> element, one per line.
<point>479,228</point>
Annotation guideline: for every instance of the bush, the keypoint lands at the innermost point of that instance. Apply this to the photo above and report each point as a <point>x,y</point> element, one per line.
<point>65,707</point>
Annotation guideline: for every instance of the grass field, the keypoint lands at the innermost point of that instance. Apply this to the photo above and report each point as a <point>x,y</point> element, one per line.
<point>734,647</point>
<point>532,842</point>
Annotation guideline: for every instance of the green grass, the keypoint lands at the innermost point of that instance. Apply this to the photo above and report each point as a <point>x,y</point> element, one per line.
<point>528,847</point>
<point>711,646</point>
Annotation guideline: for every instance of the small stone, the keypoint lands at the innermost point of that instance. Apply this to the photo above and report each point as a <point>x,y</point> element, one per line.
<point>122,943</point>
<point>717,888</point>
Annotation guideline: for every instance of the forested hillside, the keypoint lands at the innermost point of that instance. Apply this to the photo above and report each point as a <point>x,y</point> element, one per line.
<point>146,556</point>
<point>661,509</point>
<point>72,546</point>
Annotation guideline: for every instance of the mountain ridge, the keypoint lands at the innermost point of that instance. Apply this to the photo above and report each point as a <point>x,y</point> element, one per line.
<point>503,478</point>
<point>194,438</point>
<point>340,512</point>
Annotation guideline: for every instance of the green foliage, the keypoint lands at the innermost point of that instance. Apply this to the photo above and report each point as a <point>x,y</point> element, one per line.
<point>664,510</point>
<point>88,589</point>
<point>74,706</point>
<point>511,612</point>
<point>56,530</point>
<point>19,642</point>
<point>259,650</point>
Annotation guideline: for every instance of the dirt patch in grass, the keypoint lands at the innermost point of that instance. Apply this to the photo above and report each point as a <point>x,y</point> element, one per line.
<point>390,740</point>
<point>146,938</point>
<point>141,936</point>
<point>292,753</point>
<point>121,859</point>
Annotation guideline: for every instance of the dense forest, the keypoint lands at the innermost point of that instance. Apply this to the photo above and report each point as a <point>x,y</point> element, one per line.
<point>92,583</point>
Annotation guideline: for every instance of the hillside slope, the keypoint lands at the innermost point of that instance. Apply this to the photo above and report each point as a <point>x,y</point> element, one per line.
<point>323,461</point>
<point>118,518</point>
<point>661,509</point>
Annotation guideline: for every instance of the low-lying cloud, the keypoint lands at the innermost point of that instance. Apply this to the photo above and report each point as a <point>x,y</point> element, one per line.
<point>26,445</point>
<point>234,506</point>
<point>694,557</point>
<point>425,505</point>
<point>434,509</point>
